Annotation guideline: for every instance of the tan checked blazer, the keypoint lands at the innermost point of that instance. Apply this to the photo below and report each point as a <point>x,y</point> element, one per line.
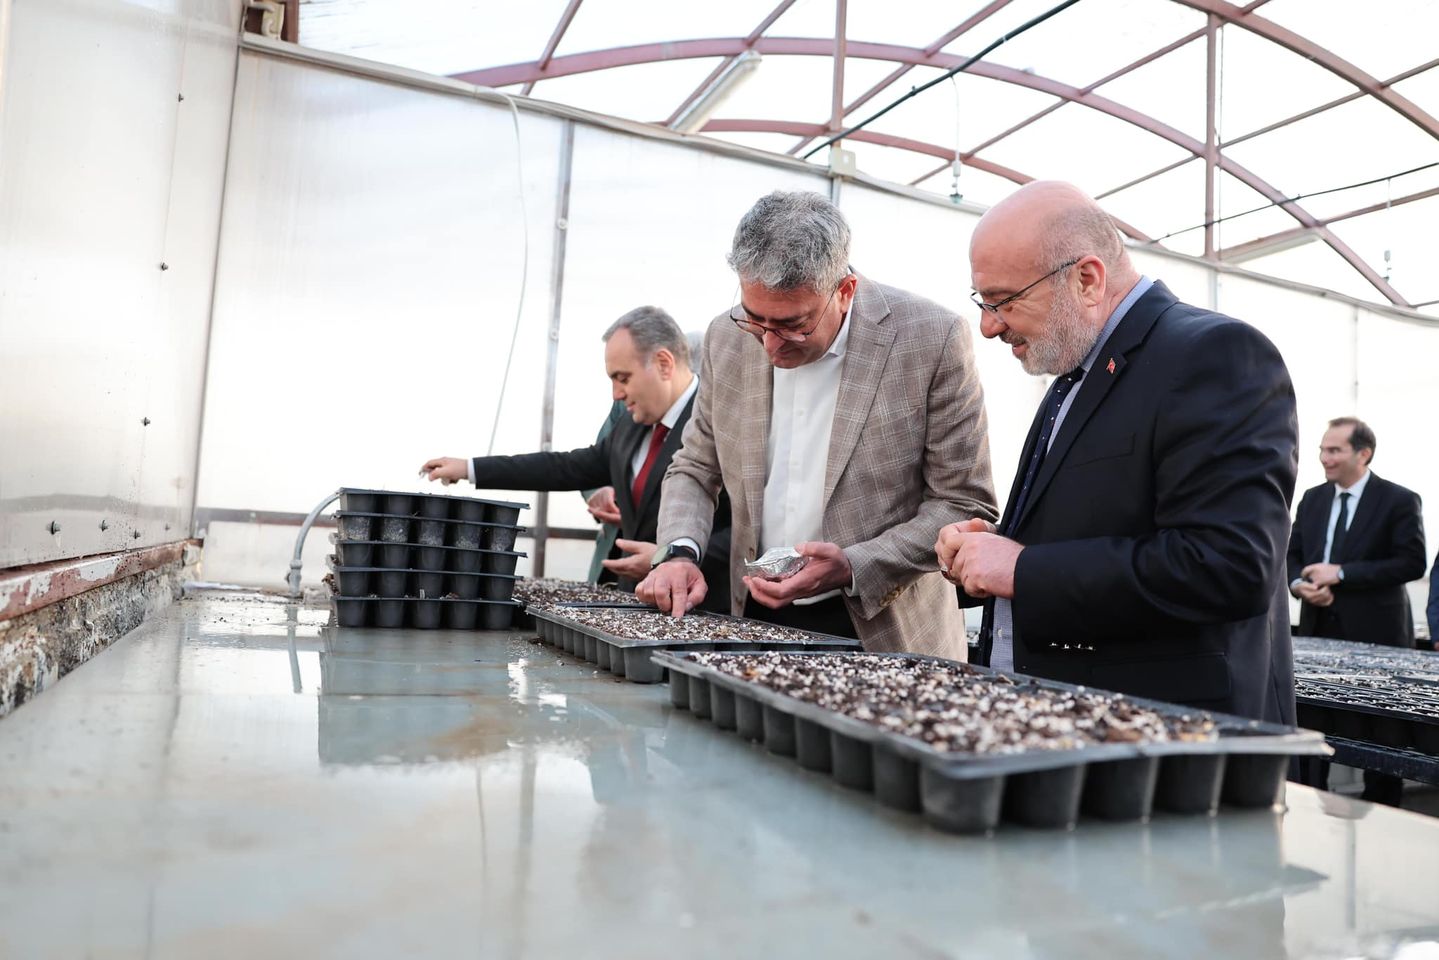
<point>908,453</point>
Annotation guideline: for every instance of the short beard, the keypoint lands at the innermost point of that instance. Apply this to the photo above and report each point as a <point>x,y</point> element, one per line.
<point>1067,338</point>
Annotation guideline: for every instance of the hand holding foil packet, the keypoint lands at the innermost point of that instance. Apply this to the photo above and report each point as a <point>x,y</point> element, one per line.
<point>777,563</point>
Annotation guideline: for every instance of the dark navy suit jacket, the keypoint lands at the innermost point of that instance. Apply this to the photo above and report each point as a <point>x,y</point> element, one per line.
<point>1155,532</point>
<point>609,462</point>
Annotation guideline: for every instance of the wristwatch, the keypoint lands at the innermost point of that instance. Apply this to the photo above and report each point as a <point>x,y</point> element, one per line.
<point>674,551</point>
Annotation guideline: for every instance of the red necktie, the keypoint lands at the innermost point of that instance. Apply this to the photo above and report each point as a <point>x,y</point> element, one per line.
<point>656,441</point>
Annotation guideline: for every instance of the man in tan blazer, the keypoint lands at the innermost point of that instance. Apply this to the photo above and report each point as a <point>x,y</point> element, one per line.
<point>845,419</point>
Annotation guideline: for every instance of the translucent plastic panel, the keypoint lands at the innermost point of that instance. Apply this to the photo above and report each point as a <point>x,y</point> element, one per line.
<point>1172,201</point>
<point>368,284</point>
<point>1382,39</point>
<point>784,88</point>
<point>1386,191</point>
<point>1190,281</point>
<point>1398,394</point>
<point>892,163</point>
<point>768,142</point>
<point>1236,199</point>
<point>975,186</point>
<point>861,75</point>
<point>1085,146</point>
<point>1171,89</point>
<point>1316,263</point>
<point>986,108</point>
<point>650,223</point>
<point>807,18</point>
<point>1408,236</point>
<point>438,36</point>
<point>1316,337</point>
<point>1422,89</point>
<point>911,23</point>
<point>1262,83</point>
<point>1357,141</point>
<point>1085,42</point>
<point>647,92</point>
<point>601,24</point>
<point>932,259</point>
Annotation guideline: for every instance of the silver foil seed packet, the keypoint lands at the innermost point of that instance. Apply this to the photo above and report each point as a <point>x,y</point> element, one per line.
<point>777,563</point>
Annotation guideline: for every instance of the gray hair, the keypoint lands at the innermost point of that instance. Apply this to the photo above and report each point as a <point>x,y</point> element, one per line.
<point>1079,231</point>
<point>792,241</point>
<point>652,329</point>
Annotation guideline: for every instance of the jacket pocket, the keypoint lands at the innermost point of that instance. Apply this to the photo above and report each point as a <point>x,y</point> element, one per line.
<point>1107,448</point>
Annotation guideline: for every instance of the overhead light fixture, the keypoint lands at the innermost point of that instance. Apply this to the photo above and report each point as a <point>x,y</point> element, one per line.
<point>698,113</point>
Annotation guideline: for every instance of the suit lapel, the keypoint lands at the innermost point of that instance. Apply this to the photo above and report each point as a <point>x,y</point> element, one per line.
<point>1318,524</point>
<point>758,380</point>
<point>1107,369</point>
<point>1369,506</point>
<point>866,352</point>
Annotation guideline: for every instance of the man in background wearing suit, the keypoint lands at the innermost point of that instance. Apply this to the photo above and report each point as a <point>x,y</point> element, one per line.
<point>1142,546</point>
<point>845,419</point>
<point>1357,540</point>
<point>647,358</point>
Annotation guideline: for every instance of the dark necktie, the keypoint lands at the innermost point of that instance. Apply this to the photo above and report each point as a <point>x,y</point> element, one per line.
<point>1053,400</point>
<point>657,440</point>
<point>1341,529</point>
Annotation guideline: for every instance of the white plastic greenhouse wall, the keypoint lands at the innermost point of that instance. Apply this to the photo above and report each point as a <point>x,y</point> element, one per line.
<point>345,245</point>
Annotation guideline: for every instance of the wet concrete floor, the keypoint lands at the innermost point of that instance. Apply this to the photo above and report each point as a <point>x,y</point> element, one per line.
<point>236,779</point>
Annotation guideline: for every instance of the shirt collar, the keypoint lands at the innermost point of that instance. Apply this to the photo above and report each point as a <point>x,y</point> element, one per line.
<point>1358,489</point>
<point>841,339</point>
<point>1140,289</point>
<point>673,413</point>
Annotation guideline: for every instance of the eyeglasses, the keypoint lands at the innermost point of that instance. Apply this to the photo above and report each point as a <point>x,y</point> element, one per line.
<point>793,333</point>
<point>993,308</point>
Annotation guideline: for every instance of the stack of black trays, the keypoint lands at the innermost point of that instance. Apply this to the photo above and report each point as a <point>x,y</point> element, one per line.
<point>421,560</point>
<point>967,793</point>
<point>629,657</point>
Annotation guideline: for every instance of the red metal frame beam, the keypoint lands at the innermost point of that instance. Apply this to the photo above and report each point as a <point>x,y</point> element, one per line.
<point>790,46</point>
<point>1241,248</point>
<point>26,589</point>
<point>836,100</point>
<point>1309,50</point>
<point>749,41</point>
<point>565,19</point>
<point>812,130</point>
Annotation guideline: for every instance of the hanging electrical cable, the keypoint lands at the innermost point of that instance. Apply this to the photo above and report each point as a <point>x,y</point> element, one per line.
<point>524,267</point>
<point>916,91</point>
<point>1388,178</point>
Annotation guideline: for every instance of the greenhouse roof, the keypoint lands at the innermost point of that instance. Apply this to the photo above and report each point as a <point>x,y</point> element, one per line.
<point>1296,137</point>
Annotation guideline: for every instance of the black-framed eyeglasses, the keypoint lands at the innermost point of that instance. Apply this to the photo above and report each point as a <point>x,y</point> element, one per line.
<point>993,308</point>
<point>794,333</point>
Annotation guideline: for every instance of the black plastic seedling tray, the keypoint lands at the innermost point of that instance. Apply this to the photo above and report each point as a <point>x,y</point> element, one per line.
<point>426,614</point>
<point>403,528</point>
<point>430,506</point>
<point>421,584</point>
<point>1371,716</point>
<point>1244,767</point>
<point>629,657</point>
<point>414,556</point>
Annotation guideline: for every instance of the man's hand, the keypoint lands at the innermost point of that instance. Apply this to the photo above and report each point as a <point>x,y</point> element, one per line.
<point>946,548</point>
<point>1312,594</point>
<point>635,566</point>
<point>675,586</point>
<point>982,562</point>
<point>1321,574</point>
<point>828,569</point>
<point>447,470</point>
<point>602,507</point>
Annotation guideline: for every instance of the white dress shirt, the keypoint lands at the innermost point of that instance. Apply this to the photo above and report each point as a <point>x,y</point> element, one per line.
<point>1355,492</point>
<point>800,422</point>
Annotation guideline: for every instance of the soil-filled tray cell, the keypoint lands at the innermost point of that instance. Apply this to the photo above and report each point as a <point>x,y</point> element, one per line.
<point>851,762</point>
<point>722,705</point>
<point>1190,784</point>
<point>699,696</point>
<point>1121,789</point>
<point>1045,798</point>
